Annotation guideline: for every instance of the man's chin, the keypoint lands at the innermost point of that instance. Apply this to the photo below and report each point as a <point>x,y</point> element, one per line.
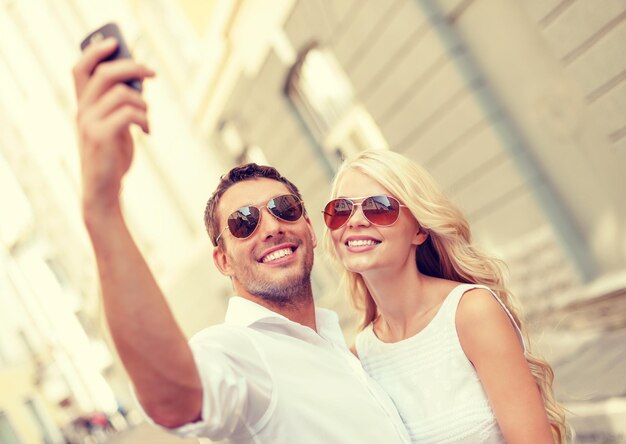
<point>288,282</point>
<point>285,288</point>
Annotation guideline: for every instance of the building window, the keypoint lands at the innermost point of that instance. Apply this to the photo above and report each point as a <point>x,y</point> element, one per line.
<point>238,151</point>
<point>323,96</point>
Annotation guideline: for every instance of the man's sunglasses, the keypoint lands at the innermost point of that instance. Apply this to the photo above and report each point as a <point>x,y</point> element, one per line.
<point>243,222</point>
<point>379,210</point>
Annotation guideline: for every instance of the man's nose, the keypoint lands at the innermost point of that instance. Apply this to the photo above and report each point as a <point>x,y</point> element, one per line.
<point>270,225</point>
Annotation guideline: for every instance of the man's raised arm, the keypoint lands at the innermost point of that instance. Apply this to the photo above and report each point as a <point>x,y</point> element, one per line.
<point>151,345</point>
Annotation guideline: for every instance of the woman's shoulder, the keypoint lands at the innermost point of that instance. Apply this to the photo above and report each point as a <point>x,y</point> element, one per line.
<point>480,303</point>
<point>483,323</point>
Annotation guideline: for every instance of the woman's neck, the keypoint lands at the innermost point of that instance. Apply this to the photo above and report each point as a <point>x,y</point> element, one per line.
<point>406,301</point>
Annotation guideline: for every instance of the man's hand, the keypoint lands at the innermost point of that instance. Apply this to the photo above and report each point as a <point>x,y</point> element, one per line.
<point>106,109</point>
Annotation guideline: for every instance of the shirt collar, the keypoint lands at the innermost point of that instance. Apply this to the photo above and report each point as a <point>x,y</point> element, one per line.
<point>244,312</point>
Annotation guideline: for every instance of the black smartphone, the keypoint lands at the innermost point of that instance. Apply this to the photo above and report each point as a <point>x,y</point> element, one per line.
<point>122,51</point>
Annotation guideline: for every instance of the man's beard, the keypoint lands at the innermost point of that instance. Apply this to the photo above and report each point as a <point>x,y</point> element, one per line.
<point>282,294</point>
<point>288,291</point>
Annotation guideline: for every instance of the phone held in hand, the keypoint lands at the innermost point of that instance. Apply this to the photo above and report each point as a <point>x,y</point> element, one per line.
<point>122,51</point>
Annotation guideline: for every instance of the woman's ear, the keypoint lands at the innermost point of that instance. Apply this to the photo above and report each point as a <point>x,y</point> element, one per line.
<point>420,237</point>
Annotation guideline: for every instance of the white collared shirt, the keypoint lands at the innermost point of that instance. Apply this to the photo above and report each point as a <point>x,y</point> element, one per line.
<point>267,379</point>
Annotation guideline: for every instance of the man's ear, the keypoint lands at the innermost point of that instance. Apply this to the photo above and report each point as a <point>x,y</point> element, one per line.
<point>420,237</point>
<point>311,231</point>
<point>222,261</point>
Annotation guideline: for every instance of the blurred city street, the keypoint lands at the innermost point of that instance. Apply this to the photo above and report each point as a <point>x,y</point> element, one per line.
<point>585,344</point>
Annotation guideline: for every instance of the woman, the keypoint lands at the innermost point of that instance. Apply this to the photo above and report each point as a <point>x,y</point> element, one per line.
<point>440,331</point>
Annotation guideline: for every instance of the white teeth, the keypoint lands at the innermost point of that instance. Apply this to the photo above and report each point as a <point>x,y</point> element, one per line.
<point>361,242</point>
<point>277,255</point>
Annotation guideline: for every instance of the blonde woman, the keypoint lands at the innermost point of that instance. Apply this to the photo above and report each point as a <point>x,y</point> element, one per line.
<point>440,332</point>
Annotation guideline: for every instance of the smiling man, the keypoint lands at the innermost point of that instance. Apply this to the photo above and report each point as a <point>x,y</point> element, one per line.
<point>277,271</point>
<point>278,369</point>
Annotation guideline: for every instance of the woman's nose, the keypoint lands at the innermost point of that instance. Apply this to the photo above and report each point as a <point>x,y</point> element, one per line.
<point>358,217</point>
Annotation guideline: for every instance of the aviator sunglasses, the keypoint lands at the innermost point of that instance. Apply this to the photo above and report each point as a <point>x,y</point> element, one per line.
<point>379,210</point>
<point>245,220</point>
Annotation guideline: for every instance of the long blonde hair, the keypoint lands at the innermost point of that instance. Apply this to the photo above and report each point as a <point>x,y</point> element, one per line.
<point>447,253</point>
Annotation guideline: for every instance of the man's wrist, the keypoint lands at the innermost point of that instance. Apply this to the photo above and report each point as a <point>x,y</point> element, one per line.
<point>99,214</point>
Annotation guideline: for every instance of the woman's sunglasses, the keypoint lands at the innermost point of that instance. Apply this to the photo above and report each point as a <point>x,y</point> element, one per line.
<point>379,210</point>
<point>243,222</point>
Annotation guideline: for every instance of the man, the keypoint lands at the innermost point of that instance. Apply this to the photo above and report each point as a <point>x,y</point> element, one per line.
<point>278,369</point>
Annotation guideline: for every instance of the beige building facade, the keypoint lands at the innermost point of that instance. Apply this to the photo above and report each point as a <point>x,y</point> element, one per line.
<point>516,107</point>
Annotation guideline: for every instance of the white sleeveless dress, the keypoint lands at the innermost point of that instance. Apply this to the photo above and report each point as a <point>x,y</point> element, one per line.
<point>432,383</point>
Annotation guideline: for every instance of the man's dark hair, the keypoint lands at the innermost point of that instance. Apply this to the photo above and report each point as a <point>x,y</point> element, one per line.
<point>239,174</point>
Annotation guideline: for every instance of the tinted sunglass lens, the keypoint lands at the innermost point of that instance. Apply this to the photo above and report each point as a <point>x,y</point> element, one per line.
<point>243,222</point>
<point>381,210</point>
<point>337,212</point>
<point>287,207</point>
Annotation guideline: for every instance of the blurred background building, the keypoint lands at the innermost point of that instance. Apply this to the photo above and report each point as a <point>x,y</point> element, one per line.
<point>518,108</point>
